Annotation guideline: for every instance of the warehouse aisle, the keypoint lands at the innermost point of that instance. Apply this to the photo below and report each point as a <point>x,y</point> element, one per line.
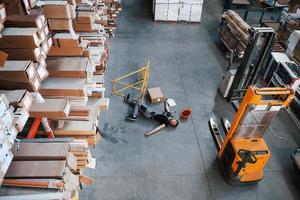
<point>177,164</point>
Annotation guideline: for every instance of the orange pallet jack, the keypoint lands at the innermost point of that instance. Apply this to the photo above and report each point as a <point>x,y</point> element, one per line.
<point>243,153</point>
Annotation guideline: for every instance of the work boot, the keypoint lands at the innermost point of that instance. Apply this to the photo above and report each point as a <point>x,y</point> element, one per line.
<point>126,98</point>
<point>131,118</point>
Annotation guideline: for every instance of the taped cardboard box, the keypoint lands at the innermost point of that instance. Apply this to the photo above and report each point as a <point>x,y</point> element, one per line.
<point>17,71</point>
<point>24,54</point>
<point>156,95</point>
<point>19,38</point>
<point>53,86</point>
<point>37,21</point>
<point>73,67</point>
<point>50,108</point>
<point>18,98</point>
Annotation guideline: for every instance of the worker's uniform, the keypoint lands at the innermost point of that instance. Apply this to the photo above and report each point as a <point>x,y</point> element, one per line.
<point>139,107</point>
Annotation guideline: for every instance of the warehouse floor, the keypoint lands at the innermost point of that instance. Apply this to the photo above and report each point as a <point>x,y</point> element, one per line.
<point>188,64</point>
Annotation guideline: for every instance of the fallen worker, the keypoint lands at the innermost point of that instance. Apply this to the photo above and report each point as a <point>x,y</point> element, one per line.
<point>165,119</point>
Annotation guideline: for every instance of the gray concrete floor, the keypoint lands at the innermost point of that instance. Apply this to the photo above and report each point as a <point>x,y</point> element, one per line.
<point>188,64</point>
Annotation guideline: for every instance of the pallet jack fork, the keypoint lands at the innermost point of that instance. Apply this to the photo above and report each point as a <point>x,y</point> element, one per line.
<point>243,153</point>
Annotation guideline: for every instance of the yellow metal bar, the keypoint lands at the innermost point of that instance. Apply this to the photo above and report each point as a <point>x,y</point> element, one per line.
<point>143,72</point>
<point>130,74</point>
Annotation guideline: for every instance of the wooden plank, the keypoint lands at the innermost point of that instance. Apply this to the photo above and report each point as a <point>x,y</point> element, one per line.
<point>76,128</point>
<point>51,108</point>
<point>41,151</point>
<point>73,67</point>
<point>34,183</point>
<point>36,169</point>
<point>40,196</point>
<point>53,86</point>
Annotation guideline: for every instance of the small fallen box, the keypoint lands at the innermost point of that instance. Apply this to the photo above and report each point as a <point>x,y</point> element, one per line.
<point>156,95</point>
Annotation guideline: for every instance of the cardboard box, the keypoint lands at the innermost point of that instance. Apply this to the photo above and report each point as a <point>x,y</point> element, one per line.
<point>57,10</point>
<point>85,18</point>
<point>155,95</point>
<point>32,87</point>
<point>3,58</point>
<point>60,24</point>
<point>24,54</point>
<point>36,169</point>
<point>73,67</point>
<point>41,151</point>
<point>36,21</point>
<point>18,98</point>
<point>19,38</point>
<point>17,72</point>
<point>66,40</point>
<point>21,116</point>
<point>42,72</point>
<point>14,7</point>
<point>60,51</point>
<point>63,87</point>
<point>51,108</point>
<point>88,27</point>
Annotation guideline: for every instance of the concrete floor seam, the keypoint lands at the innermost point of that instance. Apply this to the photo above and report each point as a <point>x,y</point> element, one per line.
<point>198,143</point>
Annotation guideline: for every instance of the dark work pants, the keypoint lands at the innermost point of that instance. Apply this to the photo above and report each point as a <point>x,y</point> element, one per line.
<point>140,107</point>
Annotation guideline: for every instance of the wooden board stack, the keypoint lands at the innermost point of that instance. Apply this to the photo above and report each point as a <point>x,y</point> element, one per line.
<point>12,121</point>
<point>53,55</point>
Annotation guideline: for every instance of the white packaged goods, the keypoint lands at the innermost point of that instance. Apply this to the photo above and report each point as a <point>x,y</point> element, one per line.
<point>292,42</point>
<point>177,10</point>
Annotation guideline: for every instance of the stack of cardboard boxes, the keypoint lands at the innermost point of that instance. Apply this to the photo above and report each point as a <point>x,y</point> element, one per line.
<point>57,54</point>
<point>12,121</point>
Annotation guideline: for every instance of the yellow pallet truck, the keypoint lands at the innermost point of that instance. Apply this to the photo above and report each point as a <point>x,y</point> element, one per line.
<point>243,153</point>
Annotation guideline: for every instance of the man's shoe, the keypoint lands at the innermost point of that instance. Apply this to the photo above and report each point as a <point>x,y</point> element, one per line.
<point>126,98</point>
<point>131,118</point>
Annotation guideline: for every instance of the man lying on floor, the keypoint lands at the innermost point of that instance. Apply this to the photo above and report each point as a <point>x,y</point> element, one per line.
<point>165,119</point>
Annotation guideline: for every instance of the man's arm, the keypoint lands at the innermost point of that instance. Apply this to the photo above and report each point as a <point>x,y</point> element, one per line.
<point>155,130</point>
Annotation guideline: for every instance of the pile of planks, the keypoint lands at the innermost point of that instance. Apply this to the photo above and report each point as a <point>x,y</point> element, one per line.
<point>50,165</point>
<point>53,56</point>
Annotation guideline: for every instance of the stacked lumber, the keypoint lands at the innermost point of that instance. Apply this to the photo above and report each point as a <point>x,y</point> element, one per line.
<point>53,55</point>
<point>12,121</point>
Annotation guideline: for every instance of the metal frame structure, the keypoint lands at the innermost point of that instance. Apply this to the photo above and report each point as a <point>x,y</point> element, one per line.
<point>119,86</point>
<point>243,153</point>
<point>257,52</point>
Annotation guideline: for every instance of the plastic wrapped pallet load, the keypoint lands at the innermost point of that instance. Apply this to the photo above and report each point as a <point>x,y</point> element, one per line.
<point>177,10</point>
